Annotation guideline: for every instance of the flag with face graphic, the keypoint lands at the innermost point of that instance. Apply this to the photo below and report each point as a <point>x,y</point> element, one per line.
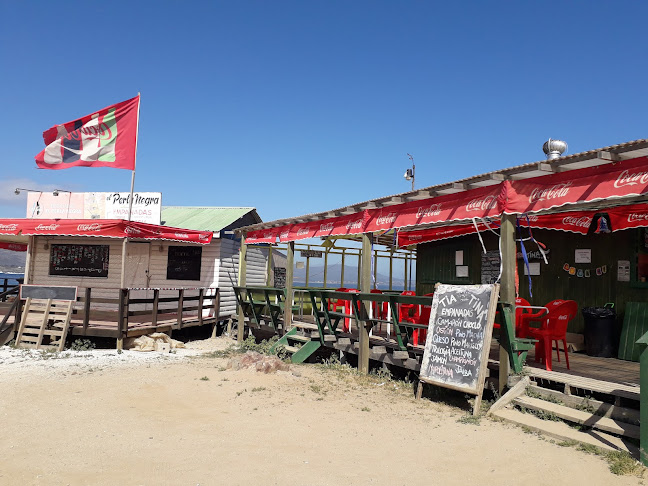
<point>106,138</point>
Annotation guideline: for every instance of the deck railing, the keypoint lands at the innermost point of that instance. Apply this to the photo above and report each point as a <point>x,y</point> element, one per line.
<point>175,307</point>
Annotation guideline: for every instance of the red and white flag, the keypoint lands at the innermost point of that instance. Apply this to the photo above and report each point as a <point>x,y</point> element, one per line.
<point>106,138</point>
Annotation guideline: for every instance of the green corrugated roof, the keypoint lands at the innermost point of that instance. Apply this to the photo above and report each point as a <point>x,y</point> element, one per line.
<point>206,219</point>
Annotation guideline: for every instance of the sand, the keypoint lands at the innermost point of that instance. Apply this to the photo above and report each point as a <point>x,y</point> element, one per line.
<point>102,418</point>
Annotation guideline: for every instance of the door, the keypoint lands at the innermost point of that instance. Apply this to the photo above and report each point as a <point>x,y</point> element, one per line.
<point>137,272</point>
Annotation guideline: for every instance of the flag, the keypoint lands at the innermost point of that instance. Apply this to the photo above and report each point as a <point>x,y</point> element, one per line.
<point>106,138</point>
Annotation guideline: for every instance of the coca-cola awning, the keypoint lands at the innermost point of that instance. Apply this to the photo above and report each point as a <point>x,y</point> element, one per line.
<point>618,218</point>
<point>106,228</point>
<point>606,182</point>
<point>13,246</point>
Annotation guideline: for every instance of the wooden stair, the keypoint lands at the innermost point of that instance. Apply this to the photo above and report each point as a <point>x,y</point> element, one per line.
<point>550,412</point>
<point>301,341</point>
<point>44,324</point>
<point>8,322</point>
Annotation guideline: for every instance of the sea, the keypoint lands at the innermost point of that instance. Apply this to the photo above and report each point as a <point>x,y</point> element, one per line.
<point>12,278</point>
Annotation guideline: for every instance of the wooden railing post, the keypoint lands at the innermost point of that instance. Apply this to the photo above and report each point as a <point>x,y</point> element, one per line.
<point>216,304</point>
<point>122,324</point>
<point>643,399</point>
<point>180,307</point>
<point>201,302</point>
<point>86,309</point>
<point>4,289</point>
<point>156,303</point>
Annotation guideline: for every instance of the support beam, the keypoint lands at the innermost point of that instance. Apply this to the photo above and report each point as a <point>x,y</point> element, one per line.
<point>241,283</point>
<point>290,272</point>
<point>365,287</point>
<point>507,286</point>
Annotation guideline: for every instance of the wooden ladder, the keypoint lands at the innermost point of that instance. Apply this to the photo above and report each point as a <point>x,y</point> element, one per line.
<point>44,324</point>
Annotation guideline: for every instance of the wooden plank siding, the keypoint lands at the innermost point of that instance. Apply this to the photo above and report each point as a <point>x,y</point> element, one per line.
<point>436,263</point>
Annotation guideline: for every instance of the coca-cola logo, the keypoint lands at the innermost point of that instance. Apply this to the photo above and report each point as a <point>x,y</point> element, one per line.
<point>626,178</point>
<point>8,227</point>
<point>533,217</point>
<point>432,210</point>
<point>284,235</point>
<point>415,238</point>
<point>47,227</point>
<point>354,225</point>
<point>89,227</point>
<point>637,217</point>
<point>132,231</point>
<point>326,227</point>
<point>181,235</point>
<point>489,202</point>
<point>582,222</point>
<point>205,237</point>
<point>553,192</point>
<point>303,231</point>
<point>388,219</point>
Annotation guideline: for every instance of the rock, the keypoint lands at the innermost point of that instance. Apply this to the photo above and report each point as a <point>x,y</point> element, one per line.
<point>261,363</point>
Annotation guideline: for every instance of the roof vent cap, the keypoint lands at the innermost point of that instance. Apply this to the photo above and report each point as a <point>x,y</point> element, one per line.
<point>554,149</point>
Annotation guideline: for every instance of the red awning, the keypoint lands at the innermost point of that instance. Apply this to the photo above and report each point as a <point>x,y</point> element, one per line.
<point>620,218</point>
<point>106,228</point>
<point>13,246</point>
<point>623,179</point>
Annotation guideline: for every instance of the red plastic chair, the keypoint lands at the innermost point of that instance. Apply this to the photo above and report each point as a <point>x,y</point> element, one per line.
<point>347,309</point>
<point>423,318</point>
<point>523,316</point>
<point>408,312</point>
<point>380,309</point>
<point>554,329</point>
<point>334,304</point>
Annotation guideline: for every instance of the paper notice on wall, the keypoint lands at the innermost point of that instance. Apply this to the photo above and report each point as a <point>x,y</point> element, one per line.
<point>534,269</point>
<point>459,257</point>
<point>623,271</point>
<point>462,270</point>
<point>583,256</point>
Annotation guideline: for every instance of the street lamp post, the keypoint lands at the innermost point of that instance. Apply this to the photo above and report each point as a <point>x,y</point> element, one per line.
<point>410,173</point>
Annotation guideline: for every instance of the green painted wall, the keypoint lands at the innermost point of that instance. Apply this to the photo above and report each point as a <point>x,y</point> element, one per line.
<point>436,264</point>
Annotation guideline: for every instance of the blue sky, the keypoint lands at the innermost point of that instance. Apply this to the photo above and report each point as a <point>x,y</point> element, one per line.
<point>300,107</point>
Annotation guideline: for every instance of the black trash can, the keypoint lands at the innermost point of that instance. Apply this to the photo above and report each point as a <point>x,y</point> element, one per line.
<point>600,331</point>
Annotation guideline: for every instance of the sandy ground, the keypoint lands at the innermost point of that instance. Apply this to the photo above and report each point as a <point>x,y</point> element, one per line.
<point>102,418</point>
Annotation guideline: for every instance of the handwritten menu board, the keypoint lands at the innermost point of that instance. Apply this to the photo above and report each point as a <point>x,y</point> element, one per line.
<point>79,260</point>
<point>184,263</point>
<point>459,336</point>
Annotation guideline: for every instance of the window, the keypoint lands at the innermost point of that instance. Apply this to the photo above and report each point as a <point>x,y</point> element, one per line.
<point>79,260</point>
<point>184,263</point>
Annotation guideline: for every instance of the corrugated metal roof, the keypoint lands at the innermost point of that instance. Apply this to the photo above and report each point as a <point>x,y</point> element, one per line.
<point>204,219</point>
<point>590,158</point>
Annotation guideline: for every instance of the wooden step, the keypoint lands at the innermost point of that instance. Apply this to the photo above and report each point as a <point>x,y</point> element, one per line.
<point>291,349</point>
<point>578,416</point>
<point>597,407</point>
<point>305,325</point>
<point>298,337</point>
<point>563,431</point>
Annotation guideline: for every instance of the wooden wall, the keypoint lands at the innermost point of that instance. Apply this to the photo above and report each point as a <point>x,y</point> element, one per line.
<point>436,264</point>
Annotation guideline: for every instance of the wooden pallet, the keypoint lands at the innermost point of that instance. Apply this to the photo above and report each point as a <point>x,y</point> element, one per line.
<point>44,324</point>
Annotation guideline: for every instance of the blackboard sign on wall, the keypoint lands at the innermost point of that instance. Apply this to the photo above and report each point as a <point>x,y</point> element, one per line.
<point>79,260</point>
<point>54,292</point>
<point>184,263</point>
<point>280,277</point>
<point>459,336</point>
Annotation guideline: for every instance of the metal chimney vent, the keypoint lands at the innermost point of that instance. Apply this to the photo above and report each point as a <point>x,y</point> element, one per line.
<point>554,149</point>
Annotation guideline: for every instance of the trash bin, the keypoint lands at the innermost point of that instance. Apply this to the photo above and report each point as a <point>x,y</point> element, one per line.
<point>600,331</point>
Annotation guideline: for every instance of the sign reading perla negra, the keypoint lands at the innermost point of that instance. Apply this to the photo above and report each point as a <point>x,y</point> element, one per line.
<point>459,336</point>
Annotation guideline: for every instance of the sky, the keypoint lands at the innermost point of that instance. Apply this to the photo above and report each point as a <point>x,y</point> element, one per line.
<point>295,107</point>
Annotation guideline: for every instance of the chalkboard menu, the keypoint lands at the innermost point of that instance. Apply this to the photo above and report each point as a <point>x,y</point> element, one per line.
<point>79,260</point>
<point>184,263</point>
<point>459,336</point>
<point>280,277</point>
<point>490,266</point>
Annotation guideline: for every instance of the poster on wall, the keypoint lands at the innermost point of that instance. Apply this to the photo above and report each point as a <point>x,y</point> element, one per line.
<point>623,270</point>
<point>147,206</point>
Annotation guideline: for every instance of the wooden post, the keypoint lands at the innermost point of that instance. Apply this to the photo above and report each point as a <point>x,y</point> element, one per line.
<point>123,263</point>
<point>360,271</point>
<point>269,282</point>
<point>123,317</point>
<point>201,302</point>
<point>156,304</point>
<point>290,272</point>
<point>326,254</point>
<point>342,269</point>
<point>216,303</point>
<point>86,309</point>
<point>365,287</point>
<point>241,281</point>
<point>180,307</point>
<point>391,269</point>
<point>375,270</point>
<point>507,286</point>
<point>643,399</point>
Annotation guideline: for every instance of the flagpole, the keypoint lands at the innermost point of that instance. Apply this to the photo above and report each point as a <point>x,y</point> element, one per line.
<point>130,199</point>
<point>130,210</point>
